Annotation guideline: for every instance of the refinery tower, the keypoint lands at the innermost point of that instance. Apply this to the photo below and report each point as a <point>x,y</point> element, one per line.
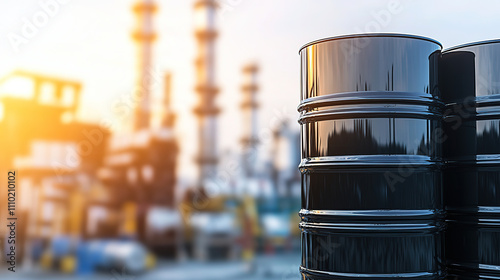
<point>206,109</point>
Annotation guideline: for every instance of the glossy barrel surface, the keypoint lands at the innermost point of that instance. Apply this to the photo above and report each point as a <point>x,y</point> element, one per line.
<point>470,84</point>
<point>370,116</point>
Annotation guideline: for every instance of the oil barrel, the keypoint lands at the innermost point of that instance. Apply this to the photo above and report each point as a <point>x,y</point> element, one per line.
<point>370,116</point>
<point>470,86</point>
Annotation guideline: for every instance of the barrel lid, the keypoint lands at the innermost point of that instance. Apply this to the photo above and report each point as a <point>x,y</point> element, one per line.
<point>493,41</point>
<point>361,35</point>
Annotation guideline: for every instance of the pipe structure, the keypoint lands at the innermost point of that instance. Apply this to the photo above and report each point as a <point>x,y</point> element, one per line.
<point>206,109</point>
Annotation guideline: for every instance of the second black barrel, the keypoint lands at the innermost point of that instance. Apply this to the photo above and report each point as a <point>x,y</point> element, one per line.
<point>370,116</point>
<point>470,83</point>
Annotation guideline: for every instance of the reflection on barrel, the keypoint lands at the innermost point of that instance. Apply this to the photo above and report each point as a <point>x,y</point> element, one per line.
<point>370,118</point>
<point>470,84</point>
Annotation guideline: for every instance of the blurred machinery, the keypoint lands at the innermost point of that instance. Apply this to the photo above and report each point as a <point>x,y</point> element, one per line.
<point>272,194</point>
<point>140,170</point>
<point>207,239</point>
<point>106,201</point>
<point>79,188</point>
<point>280,218</point>
<point>56,154</point>
<point>285,159</point>
<point>140,167</point>
<point>248,213</point>
<point>85,257</point>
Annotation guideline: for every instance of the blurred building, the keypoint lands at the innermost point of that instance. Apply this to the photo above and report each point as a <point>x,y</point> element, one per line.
<point>85,191</point>
<point>55,156</point>
<point>140,171</point>
<point>141,166</point>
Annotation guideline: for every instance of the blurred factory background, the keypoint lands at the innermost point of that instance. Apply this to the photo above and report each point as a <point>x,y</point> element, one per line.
<point>108,200</point>
<point>158,139</point>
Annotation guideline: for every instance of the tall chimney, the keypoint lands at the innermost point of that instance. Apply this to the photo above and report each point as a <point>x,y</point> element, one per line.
<point>206,110</point>
<point>168,114</point>
<point>144,35</point>
<point>249,107</point>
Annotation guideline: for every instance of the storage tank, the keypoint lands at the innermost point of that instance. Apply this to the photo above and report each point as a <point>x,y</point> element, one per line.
<point>470,84</point>
<point>370,116</point>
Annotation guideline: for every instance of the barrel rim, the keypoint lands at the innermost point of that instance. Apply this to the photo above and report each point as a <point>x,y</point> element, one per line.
<point>362,35</point>
<point>371,97</point>
<point>381,213</point>
<point>472,44</point>
<point>376,161</point>
<point>398,275</point>
<point>377,226</point>
<point>459,268</point>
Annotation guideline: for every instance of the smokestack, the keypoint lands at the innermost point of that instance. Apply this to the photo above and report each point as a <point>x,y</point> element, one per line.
<point>249,107</point>
<point>206,110</point>
<point>144,35</point>
<point>168,116</point>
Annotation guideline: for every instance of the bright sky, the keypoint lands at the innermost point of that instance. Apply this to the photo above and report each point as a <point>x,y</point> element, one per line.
<point>89,41</point>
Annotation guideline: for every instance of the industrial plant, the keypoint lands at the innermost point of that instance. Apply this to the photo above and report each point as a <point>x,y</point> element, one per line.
<point>249,140</point>
<point>92,200</point>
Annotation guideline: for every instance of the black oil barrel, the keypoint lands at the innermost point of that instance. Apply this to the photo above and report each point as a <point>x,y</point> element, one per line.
<point>470,85</point>
<point>370,116</point>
